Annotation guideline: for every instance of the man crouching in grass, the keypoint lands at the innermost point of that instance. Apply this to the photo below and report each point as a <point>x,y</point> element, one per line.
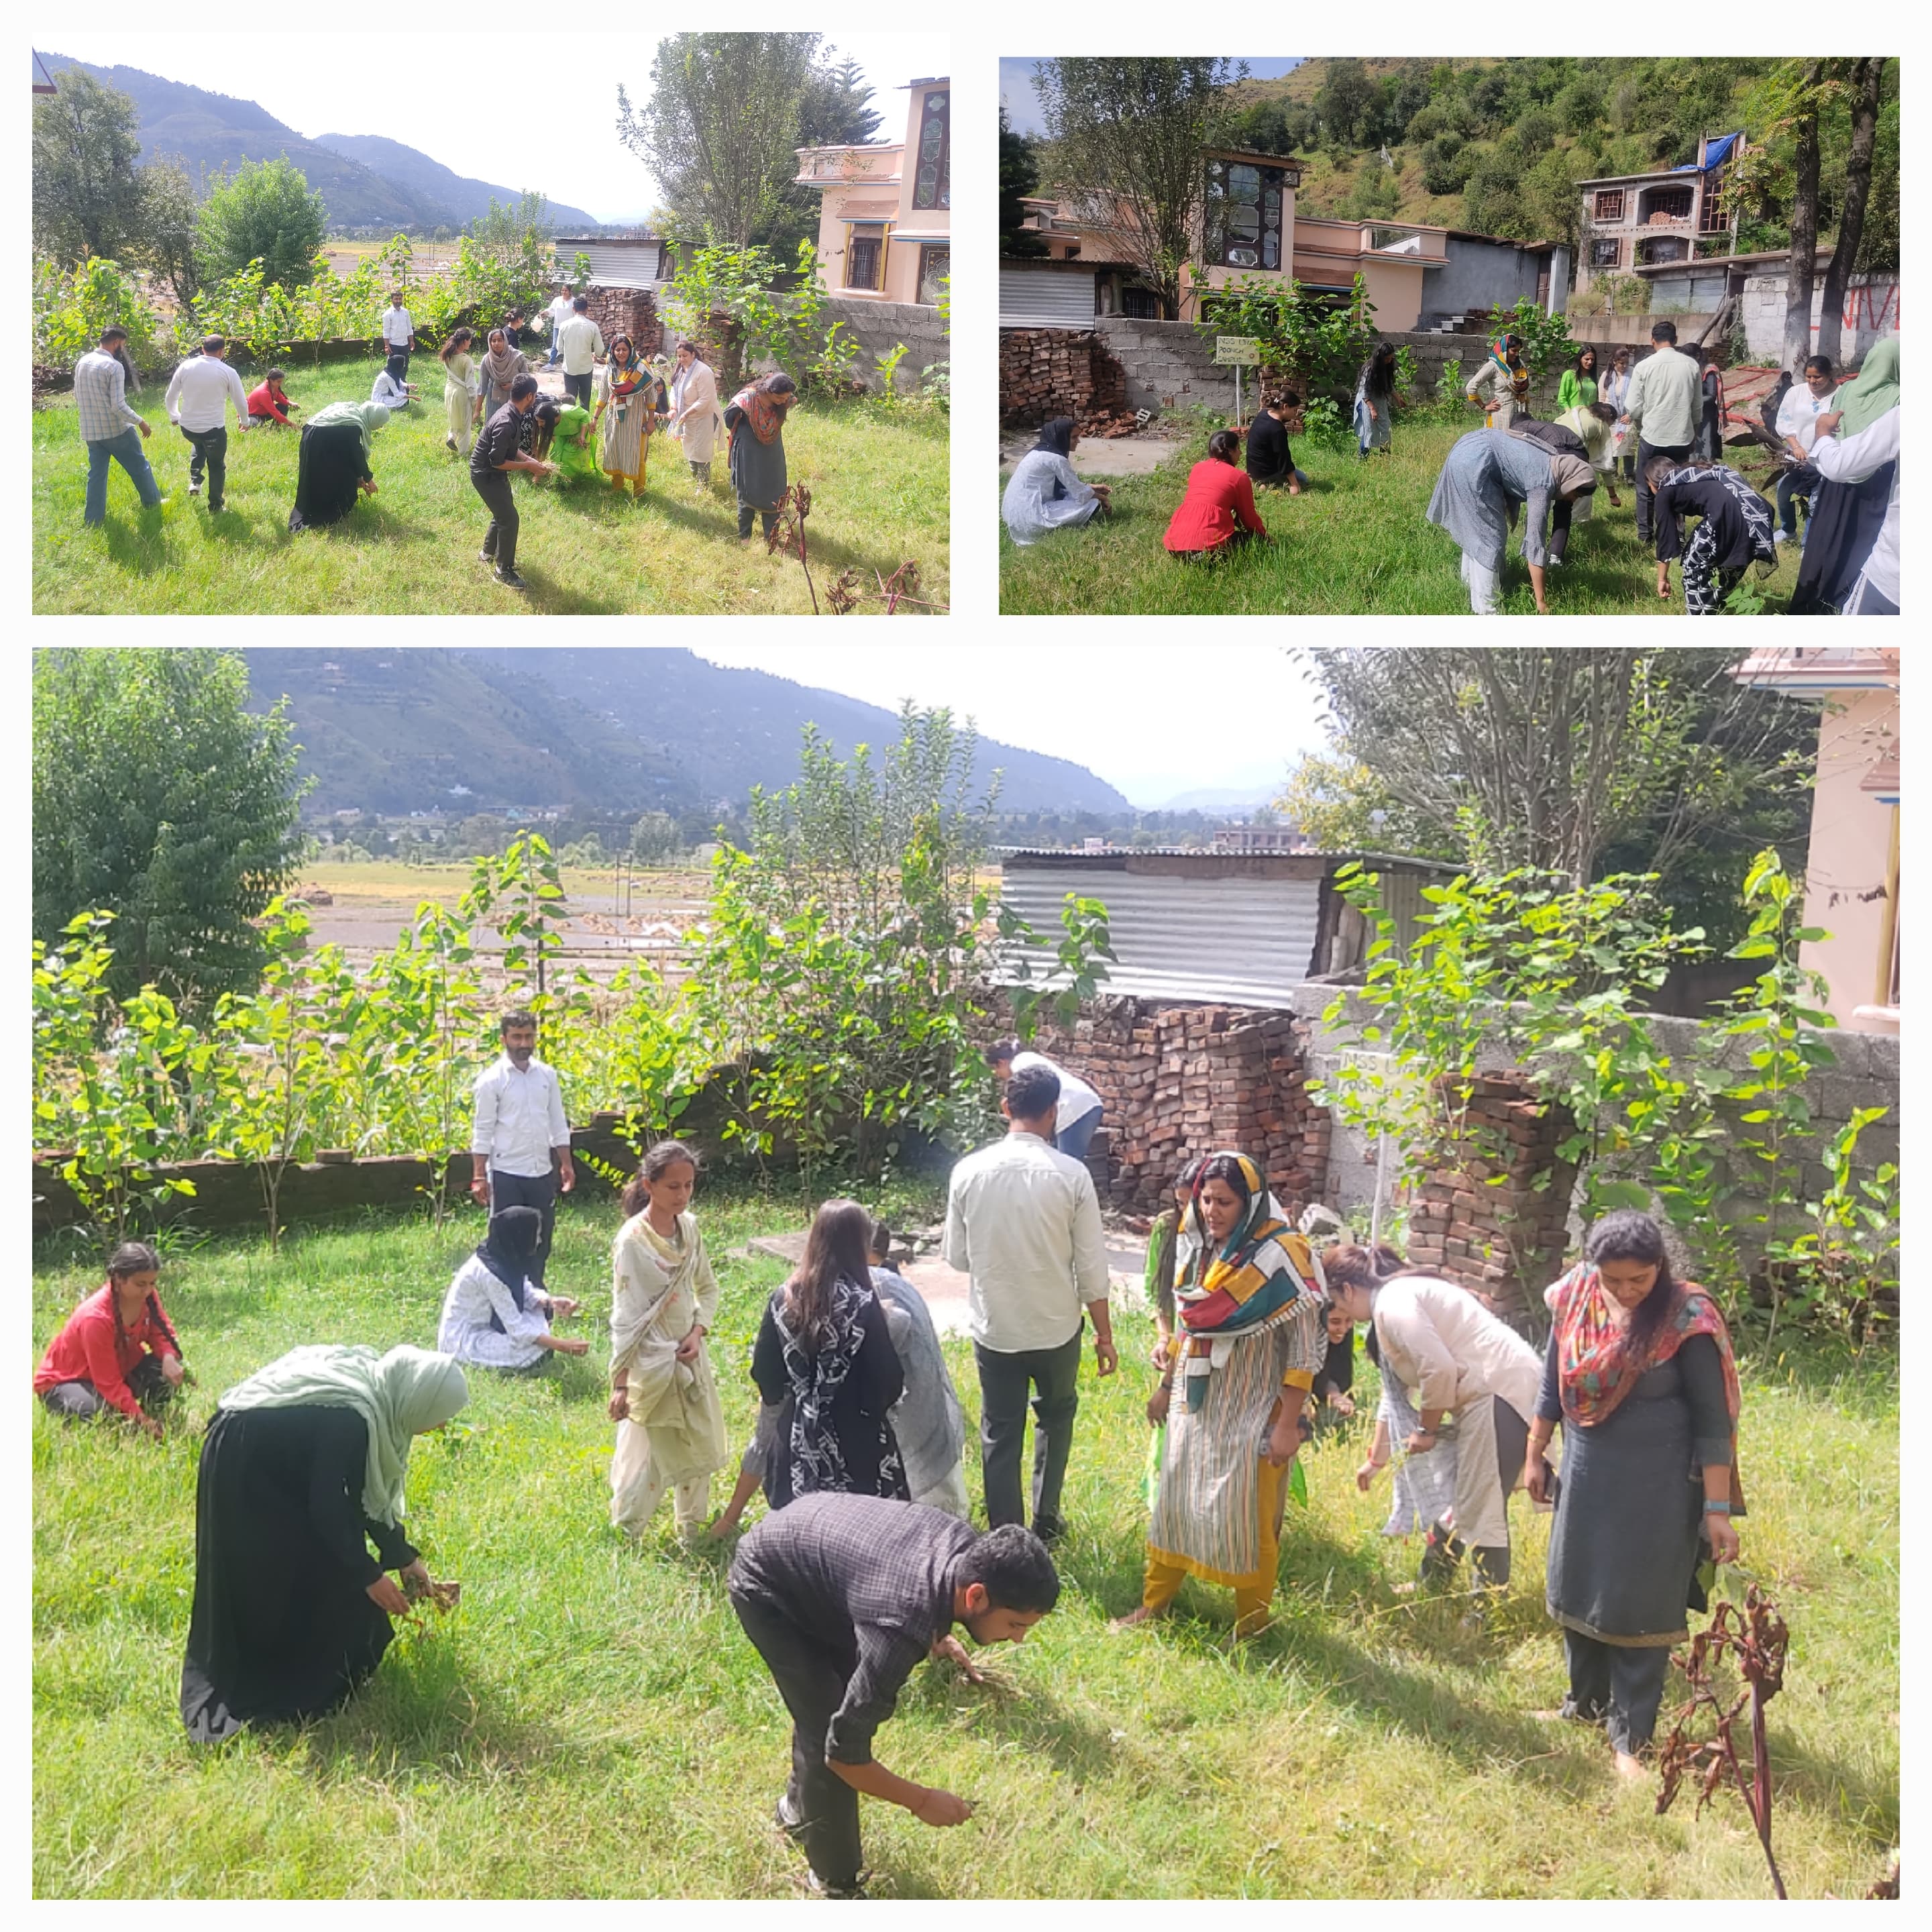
<point>843,1595</point>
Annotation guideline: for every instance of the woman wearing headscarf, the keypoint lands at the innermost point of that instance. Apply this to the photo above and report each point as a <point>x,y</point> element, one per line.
<point>1375,400</point>
<point>1565,439</point>
<point>333,463</point>
<point>1251,1337</point>
<point>755,418</point>
<point>1846,517</point>
<point>1452,1355</point>
<point>1639,1371</point>
<point>630,391</point>
<point>1594,425</point>
<point>1734,530</point>
<point>1487,476</point>
<point>1500,388</point>
<point>302,1469</point>
<point>824,1356</point>
<point>664,1299</point>
<point>927,1422</point>
<point>1043,494</point>
<point>493,1317</point>
<point>501,365</point>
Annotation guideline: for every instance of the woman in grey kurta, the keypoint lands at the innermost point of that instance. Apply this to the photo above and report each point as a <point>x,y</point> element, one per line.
<point>1487,475</point>
<point>755,418</point>
<point>1639,1371</point>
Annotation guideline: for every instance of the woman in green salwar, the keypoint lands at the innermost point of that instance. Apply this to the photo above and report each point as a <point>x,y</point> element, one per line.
<point>565,430</point>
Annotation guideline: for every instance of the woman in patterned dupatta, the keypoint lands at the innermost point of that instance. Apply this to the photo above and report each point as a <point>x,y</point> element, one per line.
<point>1500,388</point>
<point>1639,1371</point>
<point>633,395</point>
<point>1252,1335</point>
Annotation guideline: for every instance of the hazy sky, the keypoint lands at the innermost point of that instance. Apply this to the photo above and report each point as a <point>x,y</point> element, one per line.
<point>1154,720</point>
<point>1023,109</point>
<point>558,134</point>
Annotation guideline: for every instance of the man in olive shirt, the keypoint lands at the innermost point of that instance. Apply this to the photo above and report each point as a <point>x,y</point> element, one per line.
<point>844,1596</point>
<point>495,454</point>
<point>1663,407</point>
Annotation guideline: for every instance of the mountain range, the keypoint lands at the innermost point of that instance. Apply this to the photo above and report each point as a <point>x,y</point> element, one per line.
<point>365,181</point>
<point>616,729</point>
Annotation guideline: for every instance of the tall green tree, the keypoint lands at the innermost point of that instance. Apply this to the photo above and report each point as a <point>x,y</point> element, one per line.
<point>268,214</point>
<point>835,109</point>
<point>86,193</point>
<point>1019,175</point>
<point>720,129</point>
<point>159,797</point>
<point>1130,132</point>
<point>170,227</point>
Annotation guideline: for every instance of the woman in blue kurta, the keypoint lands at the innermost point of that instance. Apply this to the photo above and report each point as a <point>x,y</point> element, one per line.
<point>1487,477</point>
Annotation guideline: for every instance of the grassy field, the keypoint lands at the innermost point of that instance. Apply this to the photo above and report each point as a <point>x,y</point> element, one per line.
<point>1357,543</point>
<point>879,488</point>
<point>591,1721</point>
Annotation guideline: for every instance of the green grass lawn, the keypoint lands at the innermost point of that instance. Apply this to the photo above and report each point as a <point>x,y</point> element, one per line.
<point>880,489</point>
<point>1357,543</point>
<point>590,1722</point>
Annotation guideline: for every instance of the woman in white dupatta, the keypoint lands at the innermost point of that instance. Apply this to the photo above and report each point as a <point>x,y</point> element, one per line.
<point>670,1426</point>
<point>694,418</point>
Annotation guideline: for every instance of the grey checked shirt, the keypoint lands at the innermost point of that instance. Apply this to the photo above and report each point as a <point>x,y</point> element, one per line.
<point>100,389</point>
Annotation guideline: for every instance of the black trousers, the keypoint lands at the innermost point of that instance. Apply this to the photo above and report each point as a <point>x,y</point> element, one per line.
<point>768,518</point>
<point>210,448</point>
<point>1617,1685</point>
<point>1645,452</point>
<point>1004,1382</point>
<point>527,1190</point>
<point>81,1401</point>
<point>500,541</point>
<point>578,386</point>
<point>812,1677</point>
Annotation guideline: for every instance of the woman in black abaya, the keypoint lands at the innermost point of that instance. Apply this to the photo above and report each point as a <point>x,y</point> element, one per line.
<point>303,1462</point>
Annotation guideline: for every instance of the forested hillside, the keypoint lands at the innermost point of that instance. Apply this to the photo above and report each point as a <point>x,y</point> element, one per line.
<point>1497,145</point>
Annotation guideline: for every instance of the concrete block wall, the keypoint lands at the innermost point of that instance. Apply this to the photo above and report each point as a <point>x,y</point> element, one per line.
<point>1871,312</point>
<point>876,326</point>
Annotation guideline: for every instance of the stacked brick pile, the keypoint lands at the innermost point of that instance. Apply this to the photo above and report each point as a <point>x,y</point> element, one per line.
<point>1181,1081</point>
<point>1045,372</point>
<point>1507,1240</point>
<point>629,312</point>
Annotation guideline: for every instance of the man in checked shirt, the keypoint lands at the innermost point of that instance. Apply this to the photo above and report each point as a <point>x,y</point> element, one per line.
<point>109,426</point>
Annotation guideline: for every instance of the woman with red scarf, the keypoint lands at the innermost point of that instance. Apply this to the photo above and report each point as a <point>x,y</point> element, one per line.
<point>1639,1371</point>
<point>755,418</point>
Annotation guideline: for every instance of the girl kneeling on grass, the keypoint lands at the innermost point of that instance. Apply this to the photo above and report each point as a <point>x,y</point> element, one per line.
<point>116,1350</point>
<point>1217,514</point>
<point>664,1396</point>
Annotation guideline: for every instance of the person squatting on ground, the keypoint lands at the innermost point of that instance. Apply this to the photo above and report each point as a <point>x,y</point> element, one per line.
<point>1043,493</point>
<point>117,1350</point>
<point>664,1389</point>
<point>1216,513</point>
<point>756,417</point>
<point>1023,1224</point>
<point>268,404</point>
<point>1639,1371</point>
<point>498,451</point>
<point>1734,530</point>
<point>201,390</point>
<point>493,1315</point>
<point>843,1597</point>
<point>1271,461</point>
<point>519,1141</point>
<point>109,427</point>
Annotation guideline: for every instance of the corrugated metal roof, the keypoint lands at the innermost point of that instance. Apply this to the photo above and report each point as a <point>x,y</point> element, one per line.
<point>1248,940</point>
<point>1036,297</point>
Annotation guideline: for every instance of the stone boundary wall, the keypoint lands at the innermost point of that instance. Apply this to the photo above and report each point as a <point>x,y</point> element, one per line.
<point>876,327</point>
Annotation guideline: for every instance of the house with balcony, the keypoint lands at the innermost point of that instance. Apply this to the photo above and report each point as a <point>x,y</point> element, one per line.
<point>1852,868</point>
<point>1633,222</point>
<point>885,221</point>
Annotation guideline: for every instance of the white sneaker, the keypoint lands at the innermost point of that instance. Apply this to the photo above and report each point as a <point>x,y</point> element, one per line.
<point>1779,537</point>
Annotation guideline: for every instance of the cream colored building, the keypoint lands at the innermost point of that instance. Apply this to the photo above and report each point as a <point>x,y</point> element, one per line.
<point>1852,870</point>
<point>885,222</point>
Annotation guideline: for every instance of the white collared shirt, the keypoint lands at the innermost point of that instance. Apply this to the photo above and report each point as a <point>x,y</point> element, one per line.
<point>519,1117</point>
<point>203,385</point>
<point>1023,1222</point>
<point>398,327</point>
<point>578,342</point>
<point>1077,1099</point>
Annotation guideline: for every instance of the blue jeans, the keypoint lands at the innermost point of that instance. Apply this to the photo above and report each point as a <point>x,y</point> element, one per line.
<point>124,449</point>
<point>1077,1136</point>
<point>1794,486</point>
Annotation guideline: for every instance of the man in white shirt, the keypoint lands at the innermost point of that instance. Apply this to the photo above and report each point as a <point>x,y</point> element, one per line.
<point>399,335</point>
<point>1665,403</point>
<point>519,1144</point>
<point>1798,416</point>
<point>582,345</point>
<point>198,393</point>
<point>1023,1222</point>
<point>559,313</point>
<point>1079,1114</point>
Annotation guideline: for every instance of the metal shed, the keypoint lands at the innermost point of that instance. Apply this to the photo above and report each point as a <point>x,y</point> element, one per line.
<point>1047,295</point>
<point>1247,928</point>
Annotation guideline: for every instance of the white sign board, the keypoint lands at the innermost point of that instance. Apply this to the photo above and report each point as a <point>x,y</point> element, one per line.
<point>1244,351</point>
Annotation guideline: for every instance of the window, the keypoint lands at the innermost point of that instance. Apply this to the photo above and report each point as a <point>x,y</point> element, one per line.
<point>1605,254</point>
<point>1243,227</point>
<point>935,265</point>
<point>863,259</point>
<point>1609,204</point>
<point>1662,248</point>
<point>932,182</point>
<point>1711,219</point>
<point>1142,303</point>
<point>1664,204</point>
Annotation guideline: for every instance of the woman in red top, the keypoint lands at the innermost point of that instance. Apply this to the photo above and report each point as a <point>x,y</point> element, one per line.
<point>117,1350</point>
<point>268,402</point>
<point>1218,512</point>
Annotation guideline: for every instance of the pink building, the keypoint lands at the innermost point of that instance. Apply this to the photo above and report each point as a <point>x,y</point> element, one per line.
<point>885,222</point>
<point>1852,872</point>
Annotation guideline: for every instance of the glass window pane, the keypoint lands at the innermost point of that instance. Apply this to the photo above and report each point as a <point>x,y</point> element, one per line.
<point>1242,258</point>
<point>1244,223</point>
<point>1271,251</point>
<point>1244,183</point>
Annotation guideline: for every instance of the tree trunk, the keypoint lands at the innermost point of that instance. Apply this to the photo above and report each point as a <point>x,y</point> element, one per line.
<point>1803,262</point>
<point>1867,77</point>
